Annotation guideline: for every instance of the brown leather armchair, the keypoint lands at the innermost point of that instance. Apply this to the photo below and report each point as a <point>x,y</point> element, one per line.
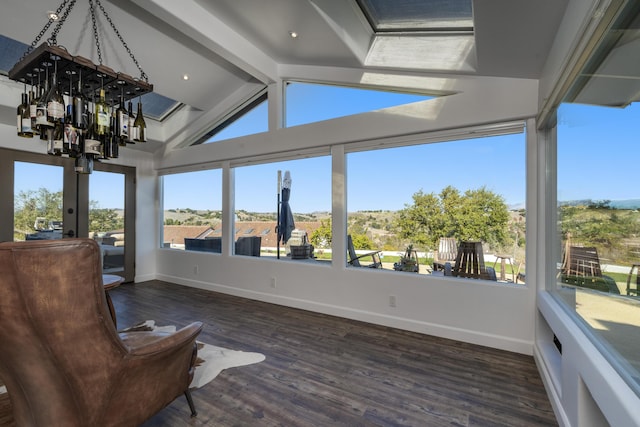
<point>61,358</point>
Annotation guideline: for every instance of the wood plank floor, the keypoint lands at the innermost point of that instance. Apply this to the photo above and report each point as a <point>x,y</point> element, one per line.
<point>327,371</point>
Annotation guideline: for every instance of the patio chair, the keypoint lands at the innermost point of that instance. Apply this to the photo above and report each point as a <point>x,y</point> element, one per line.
<point>470,263</point>
<point>630,289</point>
<point>354,258</point>
<point>581,267</point>
<point>446,253</point>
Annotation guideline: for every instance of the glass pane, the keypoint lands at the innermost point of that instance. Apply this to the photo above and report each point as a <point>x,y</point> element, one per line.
<point>155,106</point>
<point>106,218</point>
<point>250,122</point>
<point>10,52</point>
<point>259,206</point>
<point>599,226</point>
<point>37,201</point>
<point>193,210</point>
<point>411,15</point>
<point>309,103</point>
<point>467,191</point>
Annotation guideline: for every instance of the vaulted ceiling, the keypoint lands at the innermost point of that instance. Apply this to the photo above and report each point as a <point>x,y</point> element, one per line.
<point>230,49</point>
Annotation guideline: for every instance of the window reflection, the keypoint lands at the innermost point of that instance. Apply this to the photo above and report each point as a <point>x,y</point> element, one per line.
<point>599,226</point>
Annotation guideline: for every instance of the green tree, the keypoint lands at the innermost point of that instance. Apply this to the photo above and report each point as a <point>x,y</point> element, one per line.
<point>485,217</point>
<point>30,205</point>
<point>101,220</point>
<point>321,236</point>
<point>475,215</point>
<point>599,225</point>
<point>421,222</point>
<point>361,241</point>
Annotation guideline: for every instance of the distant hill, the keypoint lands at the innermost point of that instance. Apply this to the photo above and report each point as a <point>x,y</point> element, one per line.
<point>613,204</point>
<point>625,204</point>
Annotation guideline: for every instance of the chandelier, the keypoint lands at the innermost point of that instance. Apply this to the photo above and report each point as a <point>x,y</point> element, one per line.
<point>81,109</point>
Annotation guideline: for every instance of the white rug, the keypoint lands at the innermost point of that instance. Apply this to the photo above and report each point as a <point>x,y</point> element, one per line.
<point>211,359</point>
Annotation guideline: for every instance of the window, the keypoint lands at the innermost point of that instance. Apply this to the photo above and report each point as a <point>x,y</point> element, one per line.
<point>107,218</point>
<point>441,34</point>
<point>412,197</point>
<point>155,106</point>
<point>599,226</point>
<point>249,119</point>
<point>192,203</point>
<point>598,202</point>
<point>415,16</point>
<point>258,204</point>
<point>308,103</point>
<point>10,52</point>
<point>38,209</point>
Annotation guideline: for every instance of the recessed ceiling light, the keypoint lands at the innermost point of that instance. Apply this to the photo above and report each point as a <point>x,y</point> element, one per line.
<point>293,34</point>
<point>185,77</point>
<point>52,16</point>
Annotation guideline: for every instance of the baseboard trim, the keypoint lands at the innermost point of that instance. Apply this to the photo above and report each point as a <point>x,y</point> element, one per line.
<point>442,331</point>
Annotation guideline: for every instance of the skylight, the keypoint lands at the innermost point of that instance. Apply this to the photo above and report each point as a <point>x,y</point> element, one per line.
<point>412,16</point>
<point>429,34</point>
<point>10,52</point>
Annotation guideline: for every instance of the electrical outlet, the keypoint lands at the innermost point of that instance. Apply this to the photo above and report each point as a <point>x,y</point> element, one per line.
<point>392,300</point>
<point>273,282</point>
<point>195,269</point>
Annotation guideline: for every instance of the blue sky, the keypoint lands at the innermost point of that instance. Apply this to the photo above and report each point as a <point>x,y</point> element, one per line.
<point>597,155</point>
<point>598,152</point>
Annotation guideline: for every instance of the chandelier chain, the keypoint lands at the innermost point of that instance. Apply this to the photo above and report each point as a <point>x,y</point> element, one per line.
<point>43,31</point>
<point>61,21</point>
<point>95,31</point>
<point>143,75</point>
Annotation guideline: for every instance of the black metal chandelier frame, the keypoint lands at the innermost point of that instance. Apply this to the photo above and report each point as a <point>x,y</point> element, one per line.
<point>94,76</point>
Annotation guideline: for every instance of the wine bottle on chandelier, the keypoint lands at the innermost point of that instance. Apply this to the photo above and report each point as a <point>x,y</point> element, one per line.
<point>140,125</point>
<point>24,118</point>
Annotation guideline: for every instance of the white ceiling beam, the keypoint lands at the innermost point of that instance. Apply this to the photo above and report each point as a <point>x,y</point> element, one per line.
<point>186,125</point>
<point>352,28</point>
<point>391,80</point>
<point>207,29</point>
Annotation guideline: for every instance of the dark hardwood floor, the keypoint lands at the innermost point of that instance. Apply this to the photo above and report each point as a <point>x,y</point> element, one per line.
<point>327,371</point>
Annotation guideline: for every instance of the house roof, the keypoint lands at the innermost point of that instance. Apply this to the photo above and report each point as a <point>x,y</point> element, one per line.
<point>175,234</point>
<point>266,230</point>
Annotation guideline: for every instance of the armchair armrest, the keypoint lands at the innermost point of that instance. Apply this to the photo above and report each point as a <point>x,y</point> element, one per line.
<point>149,343</point>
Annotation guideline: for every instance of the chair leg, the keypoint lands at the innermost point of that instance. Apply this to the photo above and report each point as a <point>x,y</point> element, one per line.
<point>187,394</point>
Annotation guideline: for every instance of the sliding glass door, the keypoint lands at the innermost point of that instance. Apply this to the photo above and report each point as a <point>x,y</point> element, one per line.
<point>45,199</point>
